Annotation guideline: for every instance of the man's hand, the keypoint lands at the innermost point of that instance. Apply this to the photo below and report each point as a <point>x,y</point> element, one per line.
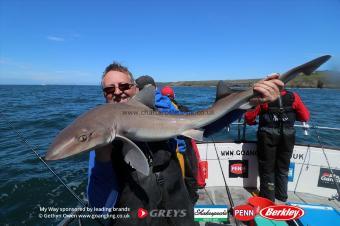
<point>269,89</point>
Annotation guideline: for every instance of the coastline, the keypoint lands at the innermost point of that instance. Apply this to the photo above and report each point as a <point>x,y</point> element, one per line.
<point>320,79</point>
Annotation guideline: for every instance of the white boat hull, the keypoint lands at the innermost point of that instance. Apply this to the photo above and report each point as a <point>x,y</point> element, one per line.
<point>308,172</point>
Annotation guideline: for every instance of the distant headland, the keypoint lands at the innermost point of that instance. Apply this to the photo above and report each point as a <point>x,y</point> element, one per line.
<point>319,79</point>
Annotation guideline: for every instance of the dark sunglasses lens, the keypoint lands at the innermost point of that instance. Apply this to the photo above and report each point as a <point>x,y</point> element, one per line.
<point>109,90</point>
<point>124,86</point>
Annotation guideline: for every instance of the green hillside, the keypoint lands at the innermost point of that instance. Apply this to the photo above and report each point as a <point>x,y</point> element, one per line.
<point>320,79</point>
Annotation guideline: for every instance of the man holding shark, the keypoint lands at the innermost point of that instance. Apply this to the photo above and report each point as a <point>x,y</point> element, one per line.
<point>138,146</point>
<point>118,87</point>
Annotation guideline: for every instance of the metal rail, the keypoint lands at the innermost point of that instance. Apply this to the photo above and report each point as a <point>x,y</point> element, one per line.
<point>304,126</point>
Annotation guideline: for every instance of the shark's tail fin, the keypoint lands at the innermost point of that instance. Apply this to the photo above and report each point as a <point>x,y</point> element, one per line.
<point>228,101</point>
<point>306,68</point>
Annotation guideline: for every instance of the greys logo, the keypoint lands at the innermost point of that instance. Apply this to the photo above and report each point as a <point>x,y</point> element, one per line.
<point>168,213</point>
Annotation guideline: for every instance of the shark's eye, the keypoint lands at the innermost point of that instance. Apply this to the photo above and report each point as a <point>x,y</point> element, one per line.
<point>82,138</point>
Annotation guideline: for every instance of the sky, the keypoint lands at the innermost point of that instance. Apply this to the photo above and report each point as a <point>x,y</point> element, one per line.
<point>72,41</point>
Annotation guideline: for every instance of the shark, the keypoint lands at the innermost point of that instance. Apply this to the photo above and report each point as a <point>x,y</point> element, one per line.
<point>138,121</point>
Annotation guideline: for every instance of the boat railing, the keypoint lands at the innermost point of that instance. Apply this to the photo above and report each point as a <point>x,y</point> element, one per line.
<point>305,126</point>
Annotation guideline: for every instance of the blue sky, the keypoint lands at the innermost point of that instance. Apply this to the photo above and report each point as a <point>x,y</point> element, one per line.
<point>71,42</point>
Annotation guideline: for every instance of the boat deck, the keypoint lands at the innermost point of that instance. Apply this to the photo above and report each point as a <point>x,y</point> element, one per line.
<point>240,195</point>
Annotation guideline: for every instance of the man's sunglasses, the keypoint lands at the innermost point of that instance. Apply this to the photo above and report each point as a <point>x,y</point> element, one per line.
<point>121,86</point>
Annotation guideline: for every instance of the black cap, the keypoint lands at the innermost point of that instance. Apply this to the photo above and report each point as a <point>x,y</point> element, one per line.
<point>145,80</point>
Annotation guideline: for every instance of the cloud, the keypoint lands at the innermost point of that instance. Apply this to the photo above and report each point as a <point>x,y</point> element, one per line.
<point>55,38</point>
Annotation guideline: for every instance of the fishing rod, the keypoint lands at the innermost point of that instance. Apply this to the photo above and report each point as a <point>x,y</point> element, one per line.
<point>25,141</point>
<point>328,164</point>
<point>225,182</point>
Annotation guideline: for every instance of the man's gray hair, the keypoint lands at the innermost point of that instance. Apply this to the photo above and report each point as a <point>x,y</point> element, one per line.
<point>118,67</point>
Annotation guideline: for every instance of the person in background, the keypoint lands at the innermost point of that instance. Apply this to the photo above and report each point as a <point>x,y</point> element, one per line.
<point>275,141</point>
<point>162,103</point>
<point>169,92</point>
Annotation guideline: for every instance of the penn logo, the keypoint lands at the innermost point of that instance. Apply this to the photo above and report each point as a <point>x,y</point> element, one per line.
<point>142,213</point>
<point>237,168</point>
<point>282,212</point>
<point>244,212</point>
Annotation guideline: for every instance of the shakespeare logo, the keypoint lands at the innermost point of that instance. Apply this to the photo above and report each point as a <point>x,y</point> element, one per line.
<point>211,213</point>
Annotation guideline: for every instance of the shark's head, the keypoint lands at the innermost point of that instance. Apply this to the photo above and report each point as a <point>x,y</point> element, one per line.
<point>85,133</point>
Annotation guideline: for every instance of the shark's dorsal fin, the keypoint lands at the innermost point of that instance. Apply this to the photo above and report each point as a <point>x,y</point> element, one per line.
<point>146,96</point>
<point>134,156</point>
<point>222,90</point>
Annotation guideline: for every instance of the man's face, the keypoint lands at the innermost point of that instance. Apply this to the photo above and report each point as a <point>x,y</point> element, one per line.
<point>121,89</point>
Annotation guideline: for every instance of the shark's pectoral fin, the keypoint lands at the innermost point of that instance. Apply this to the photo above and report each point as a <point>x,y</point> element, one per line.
<point>194,134</point>
<point>134,156</point>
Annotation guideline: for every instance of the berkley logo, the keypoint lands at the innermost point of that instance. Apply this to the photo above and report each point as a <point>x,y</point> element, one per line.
<point>282,212</point>
<point>237,168</point>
